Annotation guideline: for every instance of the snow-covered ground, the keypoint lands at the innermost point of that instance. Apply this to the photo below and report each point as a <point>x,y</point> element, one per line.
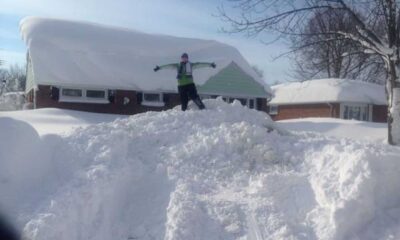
<point>224,173</point>
<point>58,121</point>
<point>358,130</point>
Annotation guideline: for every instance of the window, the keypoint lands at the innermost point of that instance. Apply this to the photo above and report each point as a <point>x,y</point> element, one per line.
<point>346,112</point>
<point>68,92</point>
<point>152,97</point>
<point>249,102</point>
<point>356,111</point>
<point>153,100</point>
<point>243,101</point>
<point>365,114</point>
<point>273,110</point>
<point>83,95</point>
<point>203,97</point>
<point>95,94</point>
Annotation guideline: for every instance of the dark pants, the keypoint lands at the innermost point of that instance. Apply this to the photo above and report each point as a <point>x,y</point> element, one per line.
<point>189,92</point>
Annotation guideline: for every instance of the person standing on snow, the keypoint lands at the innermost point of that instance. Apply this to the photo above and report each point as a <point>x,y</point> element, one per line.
<point>186,88</point>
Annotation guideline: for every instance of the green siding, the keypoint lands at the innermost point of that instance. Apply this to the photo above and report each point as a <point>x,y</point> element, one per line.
<point>233,81</point>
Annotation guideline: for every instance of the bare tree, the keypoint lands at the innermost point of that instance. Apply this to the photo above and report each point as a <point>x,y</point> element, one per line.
<point>258,70</point>
<point>332,59</point>
<point>288,18</point>
<point>14,78</point>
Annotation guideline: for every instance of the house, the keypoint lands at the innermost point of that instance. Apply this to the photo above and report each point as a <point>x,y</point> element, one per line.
<point>336,98</point>
<point>96,68</point>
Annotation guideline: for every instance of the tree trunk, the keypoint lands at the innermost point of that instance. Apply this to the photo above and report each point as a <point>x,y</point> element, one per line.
<point>393,92</point>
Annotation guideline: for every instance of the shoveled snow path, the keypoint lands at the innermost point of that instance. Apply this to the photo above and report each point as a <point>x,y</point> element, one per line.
<point>217,174</point>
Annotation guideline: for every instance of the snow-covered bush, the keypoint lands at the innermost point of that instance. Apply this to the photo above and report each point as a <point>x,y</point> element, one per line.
<point>12,101</point>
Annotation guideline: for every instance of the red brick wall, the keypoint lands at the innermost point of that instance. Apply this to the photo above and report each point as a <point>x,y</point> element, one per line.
<point>43,100</point>
<point>307,110</point>
<point>379,113</point>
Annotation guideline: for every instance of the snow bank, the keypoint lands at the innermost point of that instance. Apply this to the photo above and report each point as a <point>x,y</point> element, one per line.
<point>222,173</point>
<point>12,101</point>
<point>58,121</point>
<point>328,90</point>
<point>25,168</point>
<point>356,191</point>
<point>71,53</point>
<point>340,128</point>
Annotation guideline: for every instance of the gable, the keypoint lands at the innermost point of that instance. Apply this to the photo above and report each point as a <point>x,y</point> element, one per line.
<point>233,81</point>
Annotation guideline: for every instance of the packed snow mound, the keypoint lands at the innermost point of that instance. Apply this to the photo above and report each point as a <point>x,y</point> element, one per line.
<point>12,101</point>
<point>328,90</point>
<point>72,53</point>
<point>25,167</point>
<point>223,173</point>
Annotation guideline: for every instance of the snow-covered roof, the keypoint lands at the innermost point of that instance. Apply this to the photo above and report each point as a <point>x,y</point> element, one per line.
<point>328,90</point>
<point>70,53</point>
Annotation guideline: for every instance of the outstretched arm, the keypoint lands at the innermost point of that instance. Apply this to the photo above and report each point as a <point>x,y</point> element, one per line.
<point>203,65</point>
<point>167,66</point>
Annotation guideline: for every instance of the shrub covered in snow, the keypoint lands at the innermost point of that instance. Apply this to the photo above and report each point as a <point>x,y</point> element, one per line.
<point>12,101</point>
<point>222,173</point>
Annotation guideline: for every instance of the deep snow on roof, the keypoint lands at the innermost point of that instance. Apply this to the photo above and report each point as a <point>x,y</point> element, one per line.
<point>328,90</point>
<point>85,54</point>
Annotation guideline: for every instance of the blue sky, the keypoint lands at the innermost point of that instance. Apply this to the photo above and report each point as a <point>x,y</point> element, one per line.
<point>195,18</point>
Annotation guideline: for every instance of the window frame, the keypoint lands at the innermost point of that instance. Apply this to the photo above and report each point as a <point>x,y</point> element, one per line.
<point>271,111</point>
<point>254,103</point>
<point>84,98</point>
<point>159,103</point>
<point>365,111</point>
<point>71,89</point>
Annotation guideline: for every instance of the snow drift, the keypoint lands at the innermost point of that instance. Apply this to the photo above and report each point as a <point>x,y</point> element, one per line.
<point>25,166</point>
<point>223,173</point>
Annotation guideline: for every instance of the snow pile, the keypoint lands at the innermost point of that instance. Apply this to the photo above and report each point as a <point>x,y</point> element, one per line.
<point>25,167</point>
<point>12,101</point>
<point>71,53</point>
<point>328,90</point>
<point>224,173</point>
